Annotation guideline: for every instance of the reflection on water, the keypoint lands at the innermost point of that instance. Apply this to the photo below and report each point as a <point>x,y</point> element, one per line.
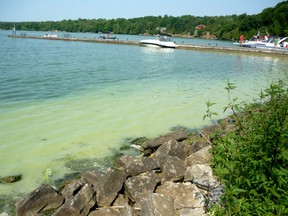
<point>148,49</point>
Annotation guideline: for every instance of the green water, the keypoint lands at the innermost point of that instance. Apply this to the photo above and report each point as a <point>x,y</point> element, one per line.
<point>68,100</point>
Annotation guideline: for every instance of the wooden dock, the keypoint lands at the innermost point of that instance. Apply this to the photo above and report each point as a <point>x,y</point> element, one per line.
<point>236,49</point>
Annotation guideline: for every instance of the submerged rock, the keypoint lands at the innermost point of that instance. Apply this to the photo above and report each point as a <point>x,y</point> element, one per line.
<point>10,179</point>
<point>139,141</point>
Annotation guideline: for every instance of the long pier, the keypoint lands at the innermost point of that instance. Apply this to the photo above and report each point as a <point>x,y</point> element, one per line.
<point>231,49</point>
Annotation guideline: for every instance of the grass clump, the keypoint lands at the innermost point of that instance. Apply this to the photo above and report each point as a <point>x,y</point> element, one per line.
<point>252,160</point>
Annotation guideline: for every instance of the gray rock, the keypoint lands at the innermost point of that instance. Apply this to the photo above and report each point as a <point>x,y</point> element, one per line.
<point>173,148</point>
<point>197,145</point>
<point>157,204</point>
<point>10,179</point>
<point>121,200</point>
<point>133,166</point>
<point>42,198</point>
<point>176,135</point>
<point>191,212</point>
<point>202,176</point>
<point>113,211</point>
<point>94,177</point>
<point>214,195</point>
<point>72,188</point>
<point>173,170</point>
<point>109,187</point>
<point>185,195</point>
<point>82,202</point>
<point>200,157</point>
<point>138,187</point>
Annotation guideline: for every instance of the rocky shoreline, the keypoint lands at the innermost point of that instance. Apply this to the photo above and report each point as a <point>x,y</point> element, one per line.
<point>171,176</point>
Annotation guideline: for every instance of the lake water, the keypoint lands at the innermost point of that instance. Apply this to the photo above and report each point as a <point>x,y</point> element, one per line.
<point>64,100</point>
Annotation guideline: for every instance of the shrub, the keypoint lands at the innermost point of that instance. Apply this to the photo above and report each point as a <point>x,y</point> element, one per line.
<point>251,161</point>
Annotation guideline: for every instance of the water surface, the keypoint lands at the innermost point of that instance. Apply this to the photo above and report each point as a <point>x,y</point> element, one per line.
<point>64,100</point>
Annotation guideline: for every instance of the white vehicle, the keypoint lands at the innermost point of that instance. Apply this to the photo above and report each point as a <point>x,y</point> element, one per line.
<point>273,42</point>
<point>162,41</point>
<point>51,35</point>
<point>279,43</point>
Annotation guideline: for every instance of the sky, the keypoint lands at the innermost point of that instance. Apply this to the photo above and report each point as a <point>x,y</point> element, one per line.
<point>57,10</point>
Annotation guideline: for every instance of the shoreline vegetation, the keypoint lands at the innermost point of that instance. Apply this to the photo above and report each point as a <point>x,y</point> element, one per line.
<point>271,21</point>
<point>236,166</point>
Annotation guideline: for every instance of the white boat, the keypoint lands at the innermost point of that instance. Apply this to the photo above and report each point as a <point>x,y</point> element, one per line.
<point>267,43</point>
<point>281,43</point>
<point>52,35</point>
<point>162,41</point>
<point>253,43</point>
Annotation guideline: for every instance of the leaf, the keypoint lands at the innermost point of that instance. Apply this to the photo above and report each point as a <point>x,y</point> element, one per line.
<point>239,190</point>
<point>209,103</point>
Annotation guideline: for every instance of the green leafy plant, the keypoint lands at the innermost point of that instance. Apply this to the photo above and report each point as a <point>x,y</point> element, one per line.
<point>209,112</point>
<point>252,160</point>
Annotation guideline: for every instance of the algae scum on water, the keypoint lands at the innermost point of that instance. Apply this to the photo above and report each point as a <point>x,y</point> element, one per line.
<point>64,104</point>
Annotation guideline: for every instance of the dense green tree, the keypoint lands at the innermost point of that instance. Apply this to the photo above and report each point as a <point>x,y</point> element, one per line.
<point>273,21</point>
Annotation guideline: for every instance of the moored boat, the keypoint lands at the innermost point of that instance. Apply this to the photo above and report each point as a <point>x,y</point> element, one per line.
<point>162,41</point>
<point>277,43</point>
<point>107,36</point>
<point>52,35</point>
<point>272,42</point>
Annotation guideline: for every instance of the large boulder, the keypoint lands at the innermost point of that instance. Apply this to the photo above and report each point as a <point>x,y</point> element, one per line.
<point>191,212</point>
<point>199,144</point>
<point>112,211</point>
<point>94,177</point>
<point>82,202</point>
<point>173,169</point>
<point>109,187</point>
<point>10,179</point>
<point>202,176</point>
<point>202,156</point>
<point>43,198</point>
<point>121,200</point>
<point>157,204</point>
<point>185,195</point>
<point>173,148</point>
<point>133,166</point>
<point>72,188</point>
<point>176,135</point>
<point>140,186</point>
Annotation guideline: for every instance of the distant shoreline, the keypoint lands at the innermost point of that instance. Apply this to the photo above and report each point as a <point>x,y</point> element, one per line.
<point>180,46</point>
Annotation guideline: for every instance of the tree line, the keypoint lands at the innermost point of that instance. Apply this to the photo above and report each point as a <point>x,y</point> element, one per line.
<point>272,21</point>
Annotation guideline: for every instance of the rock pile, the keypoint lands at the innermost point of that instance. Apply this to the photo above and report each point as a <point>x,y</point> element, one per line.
<point>172,177</point>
